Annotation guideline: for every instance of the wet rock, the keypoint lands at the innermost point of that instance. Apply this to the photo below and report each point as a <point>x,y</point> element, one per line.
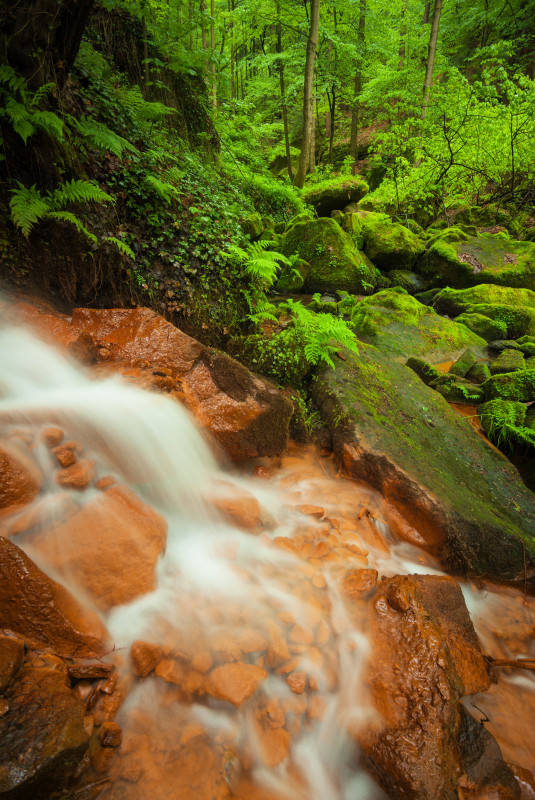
<point>241,508</point>
<point>357,582</point>
<point>78,475</point>
<point>109,549</point>
<point>425,658</point>
<point>390,245</point>
<point>21,478</point>
<point>235,682</point>
<point>52,436</point>
<point>39,609</point>
<point>145,657</point>
<point>11,658</point>
<point>110,734</point>
<point>463,497</point>
<point>42,735</point>
<point>482,762</point>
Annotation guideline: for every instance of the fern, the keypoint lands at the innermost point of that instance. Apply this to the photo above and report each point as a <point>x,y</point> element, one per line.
<point>9,78</point>
<point>28,206</point>
<point>322,334</point>
<point>121,246</point>
<point>100,136</point>
<point>48,122</point>
<point>163,189</point>
<point>263,310</point>
<point>78,191</point>
<point>22,107</point>
<point>68,216</point>
<point>20,118</point>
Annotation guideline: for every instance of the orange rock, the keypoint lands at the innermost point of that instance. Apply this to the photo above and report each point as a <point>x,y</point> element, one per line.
<point>39,609</point>
<point>262,472</point>
<point>278,648</point>
<point>170,671</point>
<point>65,456</point>
<point>145,658</point>
<point>109,548</point>
<point>240,508</point>
<point>78,475</point>
<point>202,661</point>
<point>311,511</point>
<point>235,682</point>
<point>274,744</point>
<point>301,635</point>
<point>21,478</point>
<point>11,658</point>
<point>52,436</point>
<point>110,734</point>
<point>358,582</point>
<point>297,682</point>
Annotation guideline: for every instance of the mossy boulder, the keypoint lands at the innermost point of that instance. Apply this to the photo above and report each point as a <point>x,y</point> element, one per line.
<point>465,362</point>
<point>459,390</point>
<point>335,194</point>
<point>518,320</point>
<point>335,262</point>
<point>397,323</point>
<point>455,301</point>
<point>503,422</point>
<point>410,281</point>
<point>479,373</point>
<point>352,224</point>
<point>518,386</point>
<point>425,371</point>
<point>253,226</point>
<point>462,497</point>
<point>508,361</point>
<point>486,258</point>
<point>292,277</point>
<point>485,327</point>
<point>390,245</point>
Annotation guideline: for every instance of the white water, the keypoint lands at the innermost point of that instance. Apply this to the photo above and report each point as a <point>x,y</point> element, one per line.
<point>214,581</point>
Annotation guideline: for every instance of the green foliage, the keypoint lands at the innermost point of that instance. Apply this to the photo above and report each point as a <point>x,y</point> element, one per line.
<point>22,107</point>
<point>322,334</point>
<point>100,136</point>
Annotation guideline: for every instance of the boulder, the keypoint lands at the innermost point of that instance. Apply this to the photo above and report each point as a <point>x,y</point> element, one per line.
<point>456,301</point>
<point>465,362</point>
<point>43,611</point>
<point>464,498</point>
<point>335,194</point>
<point>390,245</point>
<point>504,423</point>
<point>519,386</point>
<point>42,734</point>
<point>21,478</point>
<point>419,749</point>
<point>292,278</point>
<point>335,262</point>
<point>483,326</point>
<point>398,324</point>
<point>109,549</point>
<point>507,361</point>
<point>460,260</point>
<point>410,281</point>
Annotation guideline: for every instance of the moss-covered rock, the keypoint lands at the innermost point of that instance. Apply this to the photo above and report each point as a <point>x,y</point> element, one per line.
<point>479,373</point>
<point>507,361</point>
<point>459,390</point>
<point>352,223</point>
<point>425,371</point>
<point>455,301</point>
<point>396,322</point>
<point>518,320</point>
<point>503,422</point>
<point>427,297</point>
<point>465,362</point>
<point>390,245</point>
<point>410,281</point>
<point>335,194</point>
<point>253,226</point>
<point>459,493</point>
<point>292,277</point>
<point>518,386</point>
<point>335,263</point>
<point>487,328</point>
<point>486,258</point>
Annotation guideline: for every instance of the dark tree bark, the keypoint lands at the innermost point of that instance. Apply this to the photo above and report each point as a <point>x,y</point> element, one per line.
<point>355,111</point>
<point>433,39</point>
<point>41,38</point>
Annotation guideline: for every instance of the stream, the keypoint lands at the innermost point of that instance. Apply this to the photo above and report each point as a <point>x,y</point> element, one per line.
<point>255,632</point>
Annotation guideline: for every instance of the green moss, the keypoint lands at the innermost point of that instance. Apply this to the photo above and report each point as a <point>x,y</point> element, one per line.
<point>335,193</point>
<point>519,386</point>
<point>352,223</point>
<point>454,301</point>
<point>507,361</point>
<point>485,327</point>
<point>425,371</point>
<point>518,320</point>
<point>335,263</point>
<point>460,391</point>
<point>409,281</point>
<point>390,245</point>
<point>253,225</point>
<point>465,362</point>
<point>292,277</point>
<point>399,324</point>
<point>479,373</point>
<point>448,235</point>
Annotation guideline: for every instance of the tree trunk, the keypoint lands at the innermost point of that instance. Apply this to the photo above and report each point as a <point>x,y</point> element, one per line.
<point>308,100</point>
<point>431,56</point>
<point>41,38</point>
<point>312,152</point>
<point>427,9</point>
<point>402,36</point>
<point>212,45</point>
<point>355,111</point>
<point>283,97</point>
<point>190,20</point>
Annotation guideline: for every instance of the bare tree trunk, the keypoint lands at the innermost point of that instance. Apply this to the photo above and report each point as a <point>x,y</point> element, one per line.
<point>190,20</point>
<point>402,36</point>
<point>427,9</point>
<point>312,154</point>
<point>355,111</point>
<point>212,45</point>
<point>203,35</point>
<point>433,39</point>
<point>283,97</point>
<point>41,38</point>
<point>308,100</point>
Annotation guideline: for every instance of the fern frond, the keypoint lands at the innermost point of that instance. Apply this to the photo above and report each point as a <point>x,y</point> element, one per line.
<point>28,206</point>
<point>78,191</point>
<point>67,216</point>
<point>235,252</point>
<point>48,122</point>
<point>9,78</point>
<point>20,119</point>
<point>121,246</point>
<point>41,93</point>
<point>164,190</point>
<point>101,137</point>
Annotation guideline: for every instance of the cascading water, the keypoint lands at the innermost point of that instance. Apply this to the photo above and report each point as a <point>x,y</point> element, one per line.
<point>258,690</point>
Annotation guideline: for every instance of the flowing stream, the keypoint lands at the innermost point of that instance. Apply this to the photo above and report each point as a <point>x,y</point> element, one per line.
<point>266,610</point>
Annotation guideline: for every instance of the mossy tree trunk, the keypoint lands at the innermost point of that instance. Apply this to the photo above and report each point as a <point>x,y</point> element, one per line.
<point>433,39</point>
<point>41,38</point>
<point>283,96</point>
<point>355,111</point>
<point>308,100</point>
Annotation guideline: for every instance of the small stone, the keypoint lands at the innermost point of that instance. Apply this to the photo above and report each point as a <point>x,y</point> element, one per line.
<point>77,476</point>
<point>145,657</point>
<point>311,511</point>
<point>110,734</point>
<point>358,582</point>
<point>65,456</point>
<point>297,682</point>
<point>235,682</point>
<point>52,436</point>
<point>262,472</point>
